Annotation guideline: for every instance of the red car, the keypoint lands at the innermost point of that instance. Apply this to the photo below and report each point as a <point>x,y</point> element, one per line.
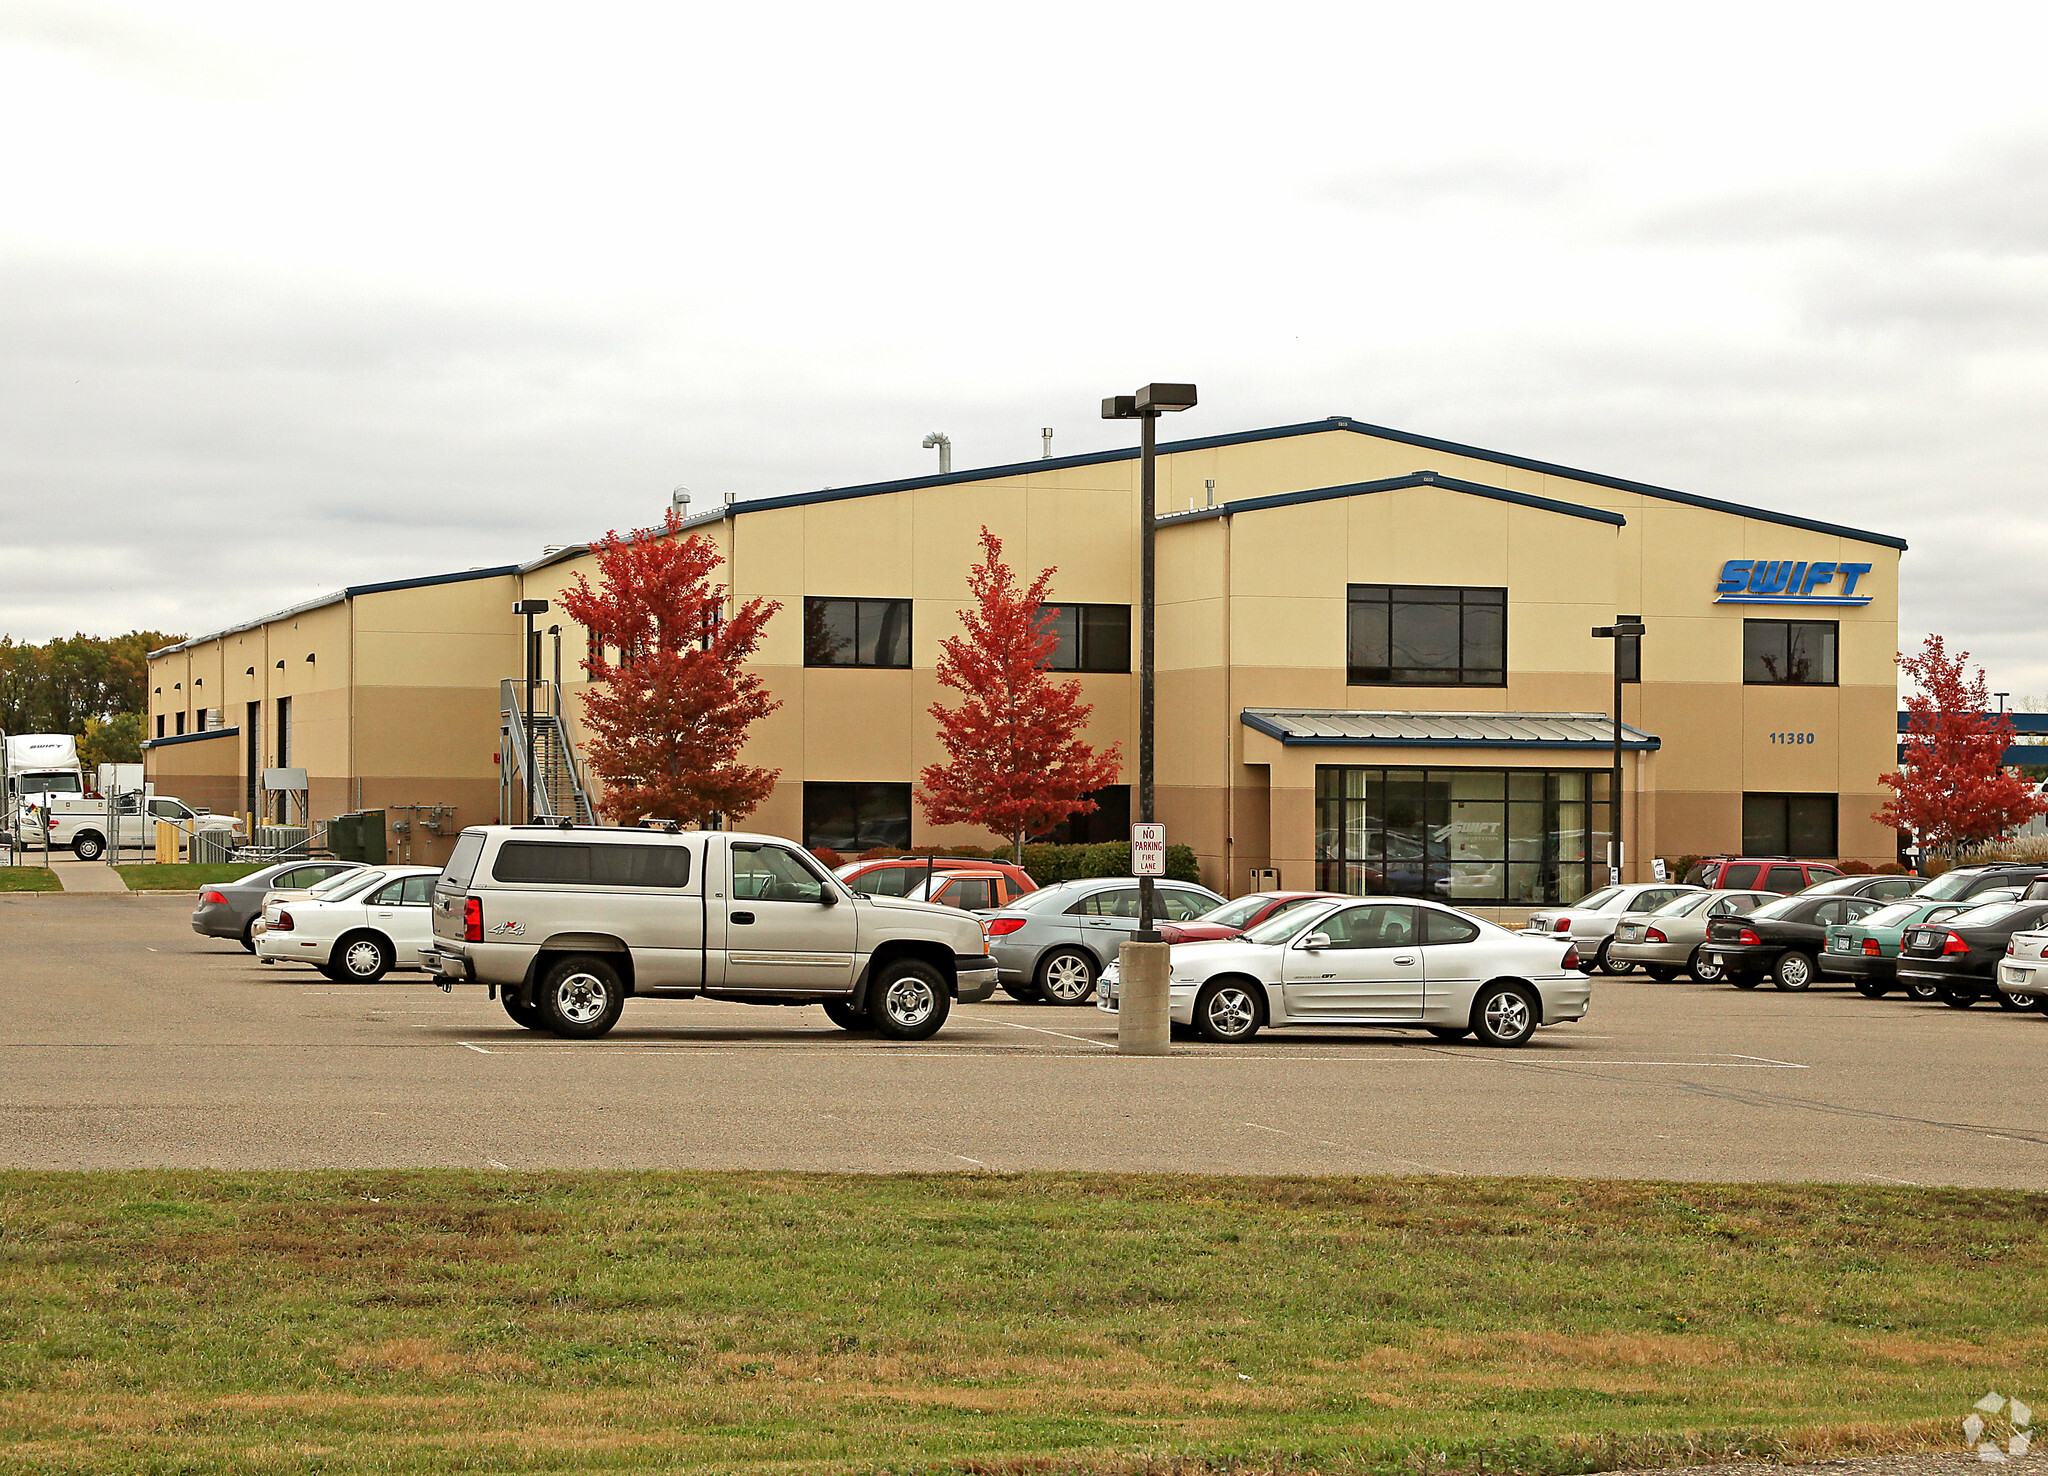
<point>1238,915</point>
<point>897,876</point>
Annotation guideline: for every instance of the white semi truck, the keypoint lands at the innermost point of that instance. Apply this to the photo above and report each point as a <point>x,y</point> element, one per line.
<point>33,764</point>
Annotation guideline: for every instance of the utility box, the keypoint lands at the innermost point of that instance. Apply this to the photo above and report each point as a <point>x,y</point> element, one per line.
<point>1264,880</point>
<point>370,837</point>
<point>345,837</point>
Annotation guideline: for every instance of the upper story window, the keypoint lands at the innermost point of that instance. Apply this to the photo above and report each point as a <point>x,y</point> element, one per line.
<point>1789,652</point>
<point>1091,637</point>
<point>856,632</point>
<point>1412,635</point>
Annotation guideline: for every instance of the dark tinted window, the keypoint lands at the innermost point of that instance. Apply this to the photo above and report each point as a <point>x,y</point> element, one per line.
<point>1112,902</point>
<point>1110,820</point>
<point>570,864</point>
<point>1785,879</point>
<point>1442,927</point>
<point>1091,637</point>
<point>1427,636</point>
<point>857,817</point>
<point>462,860</point>
<point>1789,825</point>
<point>1743,877</point>
<point>1789,652</point>
<point>856,632</point>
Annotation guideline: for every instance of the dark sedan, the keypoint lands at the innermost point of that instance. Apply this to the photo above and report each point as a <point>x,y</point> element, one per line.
<point>1961,956</point>
<point>1782,939</point>
<point>230,909</point>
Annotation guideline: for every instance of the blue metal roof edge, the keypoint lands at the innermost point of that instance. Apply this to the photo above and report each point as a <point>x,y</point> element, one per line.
<point>175,738</point>
<point>1642,743</point>
<point>391,584</point>
<point>1416,479</point>
<point>1316,427</point>
<point>2022,722</point>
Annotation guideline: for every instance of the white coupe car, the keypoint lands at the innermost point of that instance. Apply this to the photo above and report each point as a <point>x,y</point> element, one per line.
<point>1375,962</point>
<point>357,928</point>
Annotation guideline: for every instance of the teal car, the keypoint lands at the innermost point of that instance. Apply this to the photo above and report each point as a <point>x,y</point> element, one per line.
<point>1866,951</point>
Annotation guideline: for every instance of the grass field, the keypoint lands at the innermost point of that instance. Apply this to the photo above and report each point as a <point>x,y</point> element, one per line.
<point>414,1322</point>
<point>182,876</point>
<point>29,879</point>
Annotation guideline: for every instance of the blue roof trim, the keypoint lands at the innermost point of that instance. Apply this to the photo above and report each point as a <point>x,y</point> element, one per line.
<point>1423,479</point>
<point>189,737</point>
<point>1318,427</point>
<point>1275,731</point>
<point>2022,722</point>
<point>390,584</point>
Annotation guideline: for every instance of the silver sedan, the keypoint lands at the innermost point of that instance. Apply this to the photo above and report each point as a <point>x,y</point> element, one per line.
<point>1052,944</point>
<point>1590,921</point>
<point>1666,942</point>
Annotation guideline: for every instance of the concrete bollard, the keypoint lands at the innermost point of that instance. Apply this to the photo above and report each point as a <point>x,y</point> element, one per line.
<point>1142,1025</point>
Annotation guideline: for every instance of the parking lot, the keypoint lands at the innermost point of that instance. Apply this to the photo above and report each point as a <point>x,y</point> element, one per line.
<point>129,1041</point>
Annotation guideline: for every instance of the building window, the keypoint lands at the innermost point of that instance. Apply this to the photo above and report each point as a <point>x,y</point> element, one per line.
<point>1465,836</point>
<point>1789,652</point>
<point>1091,637</point>
<point>252,750</point>
<point>179,725</point>
<point>284,755</point>
<point>851,818</point>
<point>159,725</point>
<point>856,632</point>
<point>1789,825</point>
<point>1111,820</point>
<point>1409,635</point>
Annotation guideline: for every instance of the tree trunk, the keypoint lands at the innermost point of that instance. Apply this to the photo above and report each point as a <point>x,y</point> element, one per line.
<point>1017,849</point>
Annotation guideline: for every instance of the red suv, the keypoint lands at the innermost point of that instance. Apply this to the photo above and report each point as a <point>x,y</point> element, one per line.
<point>1761,874</point>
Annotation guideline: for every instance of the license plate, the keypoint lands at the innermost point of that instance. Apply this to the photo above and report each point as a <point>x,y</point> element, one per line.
<point>1716,958</point>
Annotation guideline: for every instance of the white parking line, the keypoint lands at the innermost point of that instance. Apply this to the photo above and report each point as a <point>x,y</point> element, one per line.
<point>477,1048</point>
<point>1101,1044</point>
<point>1886,1179</point>
<point>1344,1148</point>
<point>1768,1061</point>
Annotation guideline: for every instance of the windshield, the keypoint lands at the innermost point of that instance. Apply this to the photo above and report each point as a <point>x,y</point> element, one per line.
<point>50,784</point>
<point>1892,916</point>
<point>1235,914</point>
<point>1287,925</point>
<point>346,885</point>
<point>1783,907</point>
<point>1680,906</point>
<point>1594,901</point>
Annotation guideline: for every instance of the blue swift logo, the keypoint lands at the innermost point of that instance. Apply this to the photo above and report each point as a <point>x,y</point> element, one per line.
<point>1783,582</point>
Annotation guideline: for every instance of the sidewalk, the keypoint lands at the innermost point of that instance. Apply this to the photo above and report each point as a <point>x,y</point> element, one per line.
<point>88,876</point>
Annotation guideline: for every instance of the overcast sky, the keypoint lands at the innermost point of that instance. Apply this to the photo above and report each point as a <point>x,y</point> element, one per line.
<point>297,297</point>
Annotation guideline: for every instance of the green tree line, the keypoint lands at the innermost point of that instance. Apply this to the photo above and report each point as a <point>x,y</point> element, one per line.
<point>94,687</point>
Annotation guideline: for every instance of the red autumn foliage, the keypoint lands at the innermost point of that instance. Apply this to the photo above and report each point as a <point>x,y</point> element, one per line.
<point>1952,790</point>
<point>1018,767</point>
<point>669,713</point>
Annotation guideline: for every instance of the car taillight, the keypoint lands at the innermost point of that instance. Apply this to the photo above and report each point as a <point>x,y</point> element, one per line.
<point>1955,945</point>
<point>1571,957</point>
<point>210,895</point>
<point>996,927</point>
<point>1748,935</point>
<point>283,923</point>
<point>1653,935</point>
<point>1871,950</point>
<point>472,919</point>
<point>2009,948</point>
<point>1563,925</point>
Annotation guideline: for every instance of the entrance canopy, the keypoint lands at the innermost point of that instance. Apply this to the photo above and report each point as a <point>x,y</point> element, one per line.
<point>1299,727</point>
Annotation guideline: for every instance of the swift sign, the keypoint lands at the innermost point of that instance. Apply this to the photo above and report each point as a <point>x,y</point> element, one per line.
<point>1784,582</point>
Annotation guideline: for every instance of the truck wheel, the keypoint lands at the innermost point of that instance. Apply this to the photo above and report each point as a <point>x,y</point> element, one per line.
<point>1066,976</point>
<point>525,1016</point>
<point>581,997</point>
<point>908,1001</point>
<point>846,1015</point>
<point>360,958</point>
<point>88,845</point>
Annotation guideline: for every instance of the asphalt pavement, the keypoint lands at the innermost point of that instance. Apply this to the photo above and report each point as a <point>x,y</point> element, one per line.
<point>129,1041</point>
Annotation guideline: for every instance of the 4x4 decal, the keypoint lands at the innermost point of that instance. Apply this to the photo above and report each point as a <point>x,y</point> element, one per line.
<point>510,929</point>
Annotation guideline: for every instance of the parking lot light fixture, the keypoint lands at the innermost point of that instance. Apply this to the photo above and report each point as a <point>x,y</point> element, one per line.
<point>1624,628</point>
<point>1142,1023</point>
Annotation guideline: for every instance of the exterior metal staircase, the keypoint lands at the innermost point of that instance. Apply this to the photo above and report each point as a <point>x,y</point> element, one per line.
<point>539,776</point>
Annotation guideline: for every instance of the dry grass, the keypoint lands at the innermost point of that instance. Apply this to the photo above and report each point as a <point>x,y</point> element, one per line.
<point>1069,1323</point>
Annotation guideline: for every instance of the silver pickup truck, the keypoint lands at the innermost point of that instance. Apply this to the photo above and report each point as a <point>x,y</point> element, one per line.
<point>562,923</point>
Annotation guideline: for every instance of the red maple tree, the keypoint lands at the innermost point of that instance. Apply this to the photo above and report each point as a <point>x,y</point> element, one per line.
<point>669,713</point>
<point>1952,790</point>
<point>1017,766</point>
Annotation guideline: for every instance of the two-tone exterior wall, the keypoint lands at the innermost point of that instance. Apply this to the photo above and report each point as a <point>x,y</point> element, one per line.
<point>1252,614</point>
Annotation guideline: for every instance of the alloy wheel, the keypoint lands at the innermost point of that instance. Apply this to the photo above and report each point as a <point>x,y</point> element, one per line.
<point>1507,1015</point>
<point>1231,1011</point>
<point>1067,978</point>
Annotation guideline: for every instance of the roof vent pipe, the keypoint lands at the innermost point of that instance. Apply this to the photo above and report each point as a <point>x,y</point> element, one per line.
<point>1046,434</point>
<point>731,498</point>
<point>1210,483</point>
<point>679,503</point>
<point>945,444</point>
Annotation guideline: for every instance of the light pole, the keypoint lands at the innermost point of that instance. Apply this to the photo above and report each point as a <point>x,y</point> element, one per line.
<point>1624,627</point>
<point>530,608</point>
<point>1142,1026</point>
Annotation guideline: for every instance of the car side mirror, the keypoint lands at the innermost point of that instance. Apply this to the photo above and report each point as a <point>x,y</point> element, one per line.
<point>827,897</point>
<point>1316,940</point>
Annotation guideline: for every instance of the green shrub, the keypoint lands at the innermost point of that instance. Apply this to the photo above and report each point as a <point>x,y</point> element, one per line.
<point>1049,864</point>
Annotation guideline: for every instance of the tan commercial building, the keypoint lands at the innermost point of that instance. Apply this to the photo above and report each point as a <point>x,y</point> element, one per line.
<point>1375,666</point>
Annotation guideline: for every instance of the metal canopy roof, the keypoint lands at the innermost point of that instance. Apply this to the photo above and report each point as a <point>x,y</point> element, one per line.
<point>1323,727</point>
